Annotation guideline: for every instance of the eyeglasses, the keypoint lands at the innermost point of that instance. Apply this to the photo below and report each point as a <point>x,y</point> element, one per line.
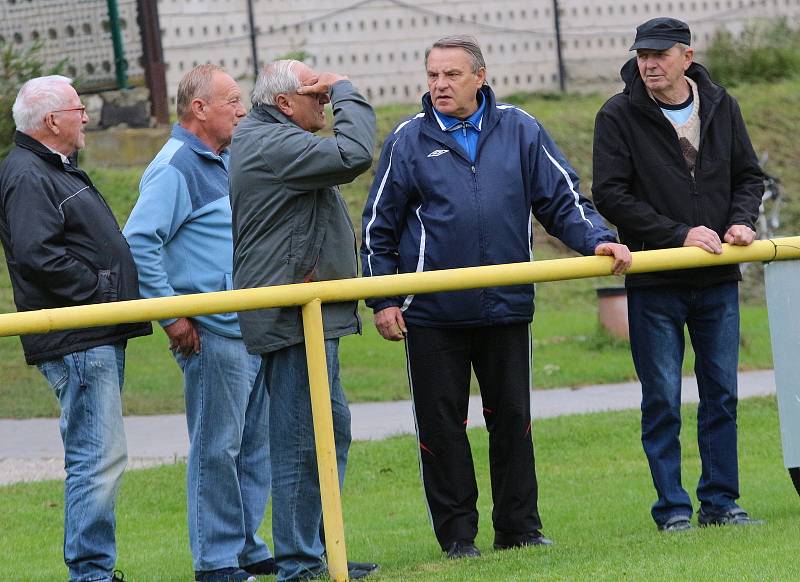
<point>82,109</point>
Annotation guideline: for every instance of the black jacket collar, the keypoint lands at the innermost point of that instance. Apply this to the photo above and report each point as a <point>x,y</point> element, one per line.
<point>23,140</point>
<point>710,93</point>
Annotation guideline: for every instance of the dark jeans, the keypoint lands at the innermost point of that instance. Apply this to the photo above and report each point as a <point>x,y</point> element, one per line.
<point>657,316</point>
<point>439,367</point>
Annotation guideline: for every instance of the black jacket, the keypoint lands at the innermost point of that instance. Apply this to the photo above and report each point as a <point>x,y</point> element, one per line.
<point>643,185</point>
<point>63,247</point>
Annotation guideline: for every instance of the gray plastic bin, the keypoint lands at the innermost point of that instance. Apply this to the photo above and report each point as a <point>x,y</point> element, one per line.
<point>783,302</point>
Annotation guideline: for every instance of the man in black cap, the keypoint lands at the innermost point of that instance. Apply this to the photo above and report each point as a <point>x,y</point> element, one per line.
<point>673,166</point>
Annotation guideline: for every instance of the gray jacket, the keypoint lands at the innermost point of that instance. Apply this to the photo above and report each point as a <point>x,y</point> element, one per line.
<point>290,223</point>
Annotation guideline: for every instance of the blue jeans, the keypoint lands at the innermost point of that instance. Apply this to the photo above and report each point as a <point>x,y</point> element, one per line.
<point>88,385</point>
<point>228,477</point>
<point>296,504</point>
<point>657,316</point>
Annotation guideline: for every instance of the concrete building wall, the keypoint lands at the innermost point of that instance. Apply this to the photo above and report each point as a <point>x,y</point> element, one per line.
<point>76,30</point>
<point>380,44</point>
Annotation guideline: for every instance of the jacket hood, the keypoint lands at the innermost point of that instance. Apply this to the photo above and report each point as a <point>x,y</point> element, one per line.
<point>634,86</point>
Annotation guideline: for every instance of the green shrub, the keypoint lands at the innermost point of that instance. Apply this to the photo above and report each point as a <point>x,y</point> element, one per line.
<point>16,67</point>
<point>766,52</point>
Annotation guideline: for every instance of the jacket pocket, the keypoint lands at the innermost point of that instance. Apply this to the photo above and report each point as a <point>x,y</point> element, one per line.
<point>106,286</point>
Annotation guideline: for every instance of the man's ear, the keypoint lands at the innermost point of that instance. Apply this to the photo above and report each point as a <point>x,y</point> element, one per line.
<point>51,123</point>
<point>284,105</point>
<point>198,107</point>
<point>689,56</point>
<point>481,74</point>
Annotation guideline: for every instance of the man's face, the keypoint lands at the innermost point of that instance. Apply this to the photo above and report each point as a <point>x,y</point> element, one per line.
<point>224,109</point>
<point>452,83</point>
<point>70,119</point>
<point>308,111</point>
<point>663,71</point>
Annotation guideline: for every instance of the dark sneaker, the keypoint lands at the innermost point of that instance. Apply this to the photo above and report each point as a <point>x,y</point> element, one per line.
<point>117,576</point>
<point>224,575</point>
<point>462,549</point>
<point>355,571</point>
<point>359,570</point>
<point>735,516</point>
<point>263,568</point>
<point>676,523</point>
<point>534,538</point>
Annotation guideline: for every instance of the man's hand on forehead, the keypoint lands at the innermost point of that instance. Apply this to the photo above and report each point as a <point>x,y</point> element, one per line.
<point>319,84</point>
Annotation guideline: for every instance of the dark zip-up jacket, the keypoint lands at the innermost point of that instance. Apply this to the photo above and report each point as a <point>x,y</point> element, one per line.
<point>430,208</point>
<point>643,185</point>
<point>63,247</point>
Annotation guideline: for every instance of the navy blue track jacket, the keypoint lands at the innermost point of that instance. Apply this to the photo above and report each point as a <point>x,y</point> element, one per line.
<point>430,208</point>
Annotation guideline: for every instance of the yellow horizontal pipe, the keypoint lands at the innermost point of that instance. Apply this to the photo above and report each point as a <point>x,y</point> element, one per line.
<point>82,316</point>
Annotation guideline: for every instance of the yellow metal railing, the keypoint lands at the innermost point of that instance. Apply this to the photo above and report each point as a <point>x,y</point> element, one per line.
<point>311,296</point>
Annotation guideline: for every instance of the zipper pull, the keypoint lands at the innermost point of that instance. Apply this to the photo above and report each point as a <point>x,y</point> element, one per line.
<point>472,167</point>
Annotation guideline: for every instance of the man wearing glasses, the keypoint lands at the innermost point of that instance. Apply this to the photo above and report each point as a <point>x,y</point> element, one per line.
<point>63,247</point>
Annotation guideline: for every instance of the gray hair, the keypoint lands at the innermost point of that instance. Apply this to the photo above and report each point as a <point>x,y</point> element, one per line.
<point>36,98</point>
<point>465,42</point>
<point>196,84</point>
<point>275,78</point>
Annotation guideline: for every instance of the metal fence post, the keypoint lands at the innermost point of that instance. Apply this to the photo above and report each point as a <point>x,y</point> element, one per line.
<point>325,444</point>
<point>120,64</point>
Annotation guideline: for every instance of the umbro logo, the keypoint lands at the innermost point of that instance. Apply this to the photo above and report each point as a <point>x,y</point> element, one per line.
<point>437,153</point>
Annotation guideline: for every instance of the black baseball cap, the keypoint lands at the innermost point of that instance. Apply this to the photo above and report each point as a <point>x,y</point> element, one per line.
<point>661,34</point>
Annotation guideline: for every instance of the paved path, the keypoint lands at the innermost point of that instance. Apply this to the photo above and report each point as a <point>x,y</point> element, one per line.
<point>31,449</point>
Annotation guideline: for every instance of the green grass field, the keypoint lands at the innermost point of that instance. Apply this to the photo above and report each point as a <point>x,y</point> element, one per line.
<point>570,349</point>
<point>595,494</point>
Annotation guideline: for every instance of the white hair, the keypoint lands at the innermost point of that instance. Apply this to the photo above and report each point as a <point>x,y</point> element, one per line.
<point>275,78</point>
<point>36,98</point>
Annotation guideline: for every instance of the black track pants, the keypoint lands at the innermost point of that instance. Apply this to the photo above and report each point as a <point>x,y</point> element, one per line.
<point>439,361</point>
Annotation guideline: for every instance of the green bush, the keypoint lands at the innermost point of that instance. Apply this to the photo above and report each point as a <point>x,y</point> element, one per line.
<point>766,52</point>
<point>16,67</point>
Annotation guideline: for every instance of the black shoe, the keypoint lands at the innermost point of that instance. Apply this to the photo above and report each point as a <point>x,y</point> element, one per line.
<point>358,570</point>
<point>735,516</point>
<point>223,575</point>
<point>355,571</point>
<point>534,538</point>
<point>263,568</point>
<point>676,523</point>
<point>117,576</point>
<point>462,549</point>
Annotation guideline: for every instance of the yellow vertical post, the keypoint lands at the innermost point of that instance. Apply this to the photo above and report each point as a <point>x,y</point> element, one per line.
<point>323,436</point>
